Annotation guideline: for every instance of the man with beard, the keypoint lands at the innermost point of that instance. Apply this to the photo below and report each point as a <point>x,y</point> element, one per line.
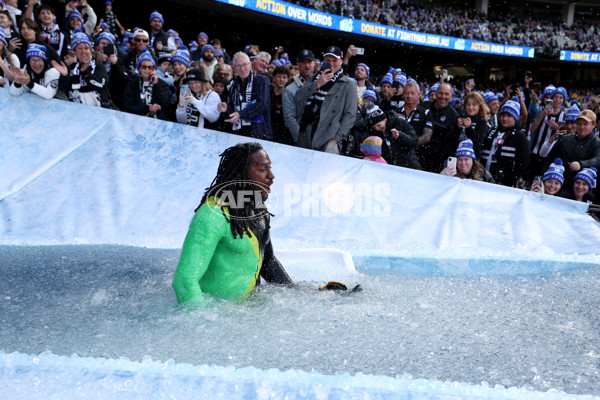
<point>228,246</point>
<point>159,39</point>
<point>208,59</point>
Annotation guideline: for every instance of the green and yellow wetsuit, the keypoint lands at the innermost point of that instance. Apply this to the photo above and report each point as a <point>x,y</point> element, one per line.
<point>212,261</point>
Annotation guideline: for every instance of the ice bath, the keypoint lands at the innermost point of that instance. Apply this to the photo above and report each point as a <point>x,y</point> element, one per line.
<point>538,332</point>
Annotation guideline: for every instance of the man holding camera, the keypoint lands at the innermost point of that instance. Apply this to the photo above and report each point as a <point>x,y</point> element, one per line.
<point>329,101</point>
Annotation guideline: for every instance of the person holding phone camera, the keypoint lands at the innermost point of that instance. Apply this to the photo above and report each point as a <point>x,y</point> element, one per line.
<point>466,166</point>
<point>543,127</point>
<point>471,121</point>
<point>329,101</point>
<point>145,94</point>
<point>552,181</point>
<point>569,125</point>
<point>107,54</point>
<point>198,102</point>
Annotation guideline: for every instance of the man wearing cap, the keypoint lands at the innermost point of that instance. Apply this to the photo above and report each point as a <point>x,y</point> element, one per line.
<point>361,74</point>
<point>159,39</point>
<point>145,94</point>
<point>140,40</point>
<point>506,149</point>
<point>248,106</point>
<point>577,150</point>
<point>291,112</point>
<point>329,100</point>
<point>86,81</point>
<point>444,139</point>
<point>548,122</point>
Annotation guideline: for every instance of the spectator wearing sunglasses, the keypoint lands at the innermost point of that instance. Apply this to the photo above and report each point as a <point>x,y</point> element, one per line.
<point>145,94</point>
<point>140,40</point>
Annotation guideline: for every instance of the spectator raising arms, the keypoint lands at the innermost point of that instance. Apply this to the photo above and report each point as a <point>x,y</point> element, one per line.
<point>198,104</point>
<point>7,62</point>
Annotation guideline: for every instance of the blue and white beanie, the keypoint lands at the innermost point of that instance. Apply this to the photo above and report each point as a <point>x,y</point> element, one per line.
<point>80,38</point>
<point>548,91</point>
<point>202,34</point>
<point>588,175</point>
<point>387,78</point>
<point>2,36</point>
<point>409,79</point>
<point>465,149</point>
<point>555,171</point>
<point>182,56</point>
<point>108,3</point>
<point>370,94</point>
<point>106,35</point>
<point>489,96</point>
<point>434,88</point>
<point>145,56</point>
<point>74,14</point>
<point>156,15</point>
<point>104,25</point>
<point>173,32</point>
<point>560,90</point>
<point>207,47</point>
<point>220,52</point>
<point>513,108</point>
<point>36,50</point>
<point>574,103</point>
<point>572,113</point>
<point>401,79</point>
<point>193,46</point>
<point>178,40</point>
<point>366,67</point>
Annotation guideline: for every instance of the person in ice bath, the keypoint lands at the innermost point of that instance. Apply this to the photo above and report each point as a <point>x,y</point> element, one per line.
<point>228,246</point>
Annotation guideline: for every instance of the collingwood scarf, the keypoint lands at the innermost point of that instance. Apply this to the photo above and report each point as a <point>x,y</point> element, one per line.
<point>242,95</point>
<point>312,109</point>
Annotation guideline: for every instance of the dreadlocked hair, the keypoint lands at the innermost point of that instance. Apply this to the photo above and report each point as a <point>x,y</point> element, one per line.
<point>234,167</point>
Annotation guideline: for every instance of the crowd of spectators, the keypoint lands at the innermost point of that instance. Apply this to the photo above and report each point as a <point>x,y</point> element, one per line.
<point>548,36</point>
<point>509,135</point>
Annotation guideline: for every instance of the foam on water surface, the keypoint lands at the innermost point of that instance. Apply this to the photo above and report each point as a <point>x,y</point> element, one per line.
<point>533,332</point>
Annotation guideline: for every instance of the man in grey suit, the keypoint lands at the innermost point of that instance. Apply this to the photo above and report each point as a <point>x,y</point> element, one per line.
<point>291,113</point>
<point>329,101</point>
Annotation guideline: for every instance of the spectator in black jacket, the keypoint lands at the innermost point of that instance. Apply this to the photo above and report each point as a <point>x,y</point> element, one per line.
<point>146,94</point>
<point>159,39</point>
<point>471,122</point>
<point>399,137</point>
<point>108,55</point>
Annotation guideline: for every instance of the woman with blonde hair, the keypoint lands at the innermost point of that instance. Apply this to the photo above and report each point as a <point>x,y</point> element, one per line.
<point>471,121</point>
<point>467,167</point>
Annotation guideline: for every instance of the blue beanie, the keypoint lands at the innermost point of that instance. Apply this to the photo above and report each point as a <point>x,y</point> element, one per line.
<point>202,34</point>
<point>572,113</point>
<point>588,175</point>
<point>366,67</point>
<point>108,3</point>
<point>401,78</point>
<point>223,55</point>
<point>465,149</point>
<point>156,15</point>
<point>80,38</point>
<point>409,79</point>
<point>177,39</point>
<point>387,78</point>
<point>145,56</point>
<point>560,90</point>
<point>182,56</point>
<point>207,47</point>
<point>2,37</point>
<point>434,88</point>
<point>106,35</point>
<point>513,108</point>
<point>548,91</point>
<point>555,171</point>
<point>36,50</point>
<point>74,14</point>
<point>193,46</point>
<point>489,96</point>
<point>173,32</point>
<point>369,94</point>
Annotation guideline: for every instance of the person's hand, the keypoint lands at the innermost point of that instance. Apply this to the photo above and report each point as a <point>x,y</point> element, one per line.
<point>509,92</point>
<point>102,57</point>
<point>325,77</point>
<point>189,98</point>
<point>113,59</point>
<point>575,166</point>
<point>466,122</point>
<point>21,77</point>
<point>154,108</point>
<point>528,79</point>
<point>534,95</point>
<point>536,187</point>
<point>14,44</point>
<point>395,133</point>
<point>518,93</point>
<point>233,118</point>
<point>222,107</point>
<point>154,78</point>
<point>84,3</point>
<point>351,50</point>
<point>547,111</point>
<point>61,68</point>
<point>552,124</point>
<point>460,123</point>
<point>2,82</point>
<point>449,171</point>
<point>69,59</point>
<point>158,45</point>
<point>469,87</point>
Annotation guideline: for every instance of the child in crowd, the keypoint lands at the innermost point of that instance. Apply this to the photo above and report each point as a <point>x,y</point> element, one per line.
<point>371,148</point>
